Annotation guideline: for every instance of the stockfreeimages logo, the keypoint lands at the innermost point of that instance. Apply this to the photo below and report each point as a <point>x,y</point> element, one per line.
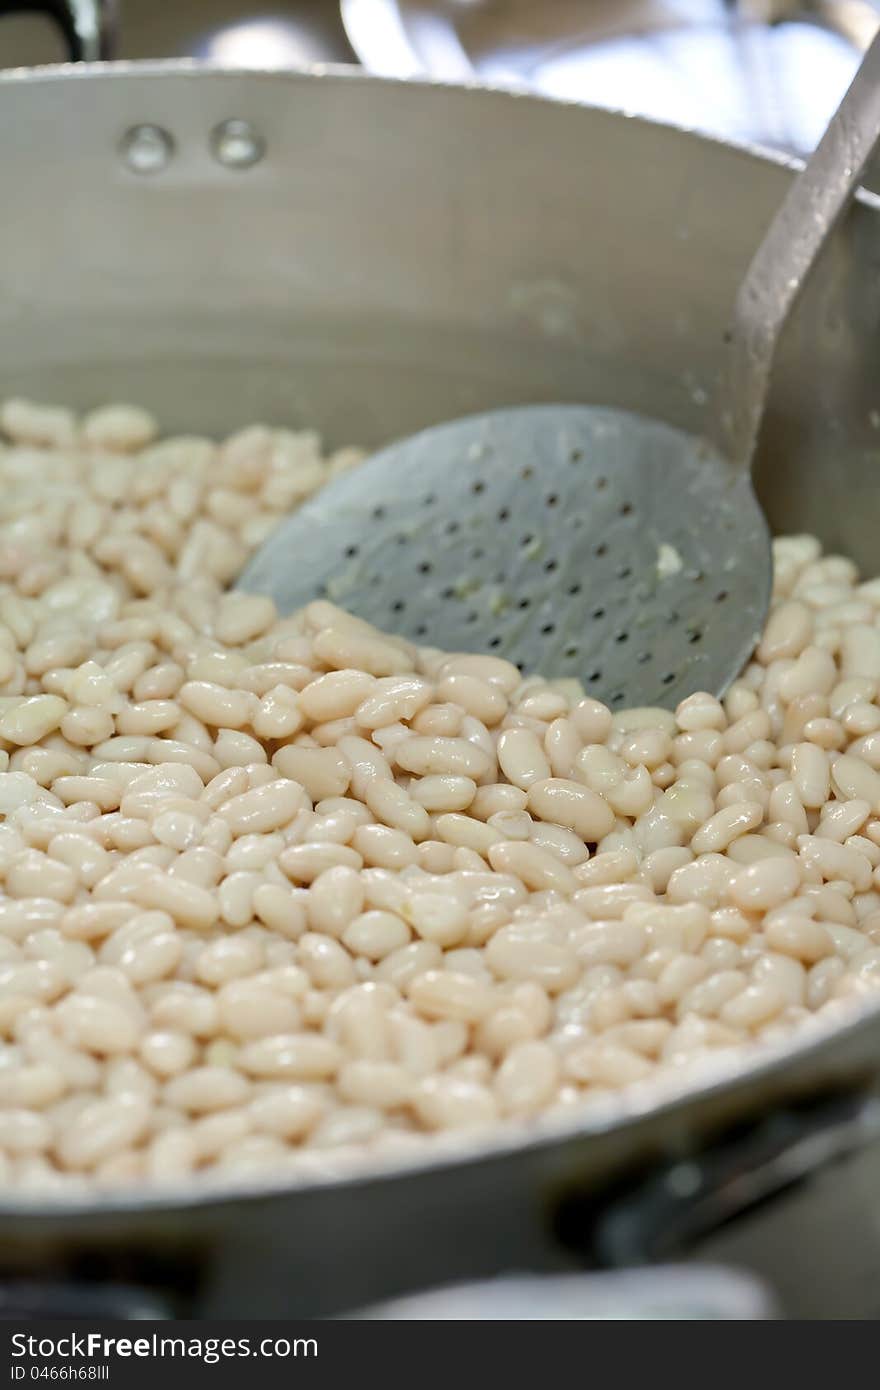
<point>95,1346</point>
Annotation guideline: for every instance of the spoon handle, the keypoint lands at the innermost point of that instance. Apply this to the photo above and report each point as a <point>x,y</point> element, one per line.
<point>87,26</point>
<point>800,228</point>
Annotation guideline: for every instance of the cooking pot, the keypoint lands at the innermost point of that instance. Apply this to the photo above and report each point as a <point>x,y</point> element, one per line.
<point>371,256</point>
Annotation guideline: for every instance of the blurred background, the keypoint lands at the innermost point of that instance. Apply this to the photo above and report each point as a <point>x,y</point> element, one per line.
<point>765,71</point>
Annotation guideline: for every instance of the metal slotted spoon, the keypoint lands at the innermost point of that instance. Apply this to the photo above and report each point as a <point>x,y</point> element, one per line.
<point>578,540</point>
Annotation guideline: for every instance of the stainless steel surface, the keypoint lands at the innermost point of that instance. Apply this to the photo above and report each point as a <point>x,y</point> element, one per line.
<point>688,1200</point>
<point>576,541</point>
<point>665,1294</point>
<point>816,1243</point>
<point>770,71</point>
<point>371,290</point>
<point>572,541</point>
<point>402,254</point>
<point>791,1195</point>
<point>789,250</point>
<point>514,1203</point>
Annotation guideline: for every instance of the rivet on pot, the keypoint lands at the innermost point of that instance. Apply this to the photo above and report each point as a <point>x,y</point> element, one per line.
<point>236,144</point>
<point>146,148</point>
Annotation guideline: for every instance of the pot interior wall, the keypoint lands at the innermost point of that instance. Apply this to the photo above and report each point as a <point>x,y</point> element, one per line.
<point>402,254</point>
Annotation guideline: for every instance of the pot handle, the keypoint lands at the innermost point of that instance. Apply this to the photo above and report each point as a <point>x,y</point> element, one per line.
<point>668,1213</point>
<point>87,25</point>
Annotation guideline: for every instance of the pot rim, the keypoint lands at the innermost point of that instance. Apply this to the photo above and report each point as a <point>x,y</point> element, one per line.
<point>206,68</point>
<point>652,1103</point>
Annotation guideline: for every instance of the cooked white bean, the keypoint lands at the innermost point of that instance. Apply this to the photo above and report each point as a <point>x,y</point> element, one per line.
<point>393,698</point>
<point>263,809</point>
<point>444,793</point>
<point>98,1025</point>
<point>450,994</point>
<point>518,953</point>
<point>206,1088</point>
<point>344,649</point>
<point>101,1129</point>
<point>322,772</point>
<point>569,804</point>
<point>522,758</point>
<point>765,884</point>
<point>302,1056</point>
<point>853,778</point>
<point>447,1102</point>
<point>443,756</point>
<point>811,774</point>
<point>375,934</point>
<point>527,1079</point>
<point>279,885</point>
<point>535,867</point>
<point>335,695</point>
<point>727,825</point>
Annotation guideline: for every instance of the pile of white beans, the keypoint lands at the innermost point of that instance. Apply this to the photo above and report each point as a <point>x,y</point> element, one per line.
<point>280,892</point>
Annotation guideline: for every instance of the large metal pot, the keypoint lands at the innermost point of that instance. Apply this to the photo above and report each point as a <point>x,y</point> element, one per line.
<point>371,256</point>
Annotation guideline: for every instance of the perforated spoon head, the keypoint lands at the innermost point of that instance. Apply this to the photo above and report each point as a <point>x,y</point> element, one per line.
<point>572,540</point>
<point>579,541</point>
